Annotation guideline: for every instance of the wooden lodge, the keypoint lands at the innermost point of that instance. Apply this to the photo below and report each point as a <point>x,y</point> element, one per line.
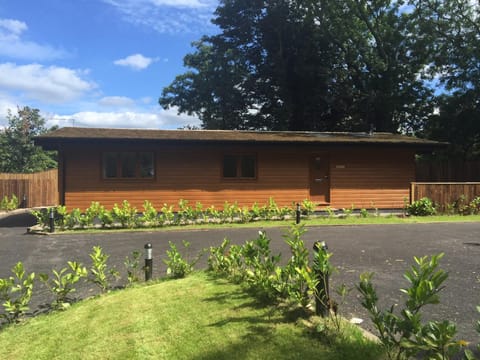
<point>213,166</point>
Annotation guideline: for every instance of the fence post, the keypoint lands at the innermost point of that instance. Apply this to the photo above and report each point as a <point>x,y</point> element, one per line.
<point>148,262</point>
<point>297,214</point>
<point>322,298</point>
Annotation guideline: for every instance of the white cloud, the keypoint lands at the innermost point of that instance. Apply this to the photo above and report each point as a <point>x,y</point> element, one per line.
<point>135,61</point>
<point>13,26</point>
<point>168,16</point>
<point>116,101</point>
<point>13,46</point>
<point>52,84</point>
<point>163,119</point>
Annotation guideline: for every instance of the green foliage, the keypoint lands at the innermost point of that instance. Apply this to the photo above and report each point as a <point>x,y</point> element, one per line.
<point>308,207</point>
<point>260,265</point>
<point>18,154</point>
<point>41,216</point>
<point>404,336</point>
<point>167,215</point>
<point>422,207</point>
<point>297,78</point>
<point>61,284</point>
<point>126,215</point>
<point>179,266</point>
<point>297,281</point>
<point>99,273</point>
<point>150,214</point>
<point>9,204</point>
<point>16,293</point>
<point>185,212</point>
<point>132,265</point>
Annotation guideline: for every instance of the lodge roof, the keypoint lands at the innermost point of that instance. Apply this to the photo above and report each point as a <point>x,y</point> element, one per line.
<point>66,135</point>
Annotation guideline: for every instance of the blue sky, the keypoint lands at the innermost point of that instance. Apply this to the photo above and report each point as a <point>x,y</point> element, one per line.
<point>97,63</point>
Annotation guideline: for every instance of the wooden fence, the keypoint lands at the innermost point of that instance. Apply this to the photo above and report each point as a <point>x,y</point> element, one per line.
<point>38,189</point>
<point>445,193</point>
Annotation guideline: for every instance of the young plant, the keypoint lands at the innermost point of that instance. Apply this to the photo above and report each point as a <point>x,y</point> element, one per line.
<point>404,336</point>
<point>41,216</point>
<point>61,284</point>
<point>132,265</point>
<point>16,293</point>
<point>150,214</point>
<point>422,207</point>
<point>9,204</point>
<point>296,274</point>
<point>100,274</point>
<point>260,267</point>
<point>308,207</point>
<point>126,215</point>
<point>179,266</point>
<point>185,213</point>
<point>167,215</point>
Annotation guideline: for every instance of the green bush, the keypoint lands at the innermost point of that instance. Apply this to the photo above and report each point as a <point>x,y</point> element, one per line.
<point>178,265</point>
<point>61,284</point>
<point>402,333</point>
<point>9,204</point>
<point>422,207</point>
<point>16,293</point>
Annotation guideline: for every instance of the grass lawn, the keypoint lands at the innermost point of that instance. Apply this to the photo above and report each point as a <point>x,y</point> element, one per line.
<point>194,318</point>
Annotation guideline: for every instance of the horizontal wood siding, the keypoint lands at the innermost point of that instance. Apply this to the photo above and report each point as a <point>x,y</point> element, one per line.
<point>371,178</point>
<point>193,173</point>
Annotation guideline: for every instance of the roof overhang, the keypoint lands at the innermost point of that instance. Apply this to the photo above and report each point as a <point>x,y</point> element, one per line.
<point>57,139</point>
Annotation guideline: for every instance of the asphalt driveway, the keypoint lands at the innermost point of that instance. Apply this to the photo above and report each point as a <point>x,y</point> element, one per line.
<point>386,250</point>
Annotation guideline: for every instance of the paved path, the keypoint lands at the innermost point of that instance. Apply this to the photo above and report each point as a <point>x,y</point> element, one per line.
<point>387,250</point>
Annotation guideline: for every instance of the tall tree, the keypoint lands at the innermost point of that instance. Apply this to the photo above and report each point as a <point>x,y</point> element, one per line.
<point>306,65</point>
<point>18,154</point>
<point>456,67</point>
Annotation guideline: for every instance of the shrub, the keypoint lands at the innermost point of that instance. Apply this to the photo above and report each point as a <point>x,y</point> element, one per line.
<point>179,266</point>
<point>126,214</point>
<point>404,336</point>
<point>16,293</point>
<point>61,284</point>
<point>100,274</point>
<point>150,214</point>
<point>132,264</point>
<point>422,207</point>
<point>9,204</point>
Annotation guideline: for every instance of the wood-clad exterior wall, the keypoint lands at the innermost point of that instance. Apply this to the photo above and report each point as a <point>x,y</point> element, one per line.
<point>364,176</point>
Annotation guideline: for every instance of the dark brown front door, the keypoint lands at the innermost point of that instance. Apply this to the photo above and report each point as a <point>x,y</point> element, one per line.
<point>320,178</point>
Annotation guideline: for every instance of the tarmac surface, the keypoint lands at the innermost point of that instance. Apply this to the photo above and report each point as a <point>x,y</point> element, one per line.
<point>386,250</point>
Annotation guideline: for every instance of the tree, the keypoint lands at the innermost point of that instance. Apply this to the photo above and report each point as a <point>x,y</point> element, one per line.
<point>455,66</point>
<point>18,154</point>
<point>323,65</point>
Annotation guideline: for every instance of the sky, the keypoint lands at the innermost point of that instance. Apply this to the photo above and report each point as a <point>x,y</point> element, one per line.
<point>97,63</point>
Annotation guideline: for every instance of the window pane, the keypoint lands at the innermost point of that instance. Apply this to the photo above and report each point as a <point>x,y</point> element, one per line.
<point>110,165</point>
<point>147,169</point>
<point>229,166</point>
<point>248,166</point>
<point>128,161</point>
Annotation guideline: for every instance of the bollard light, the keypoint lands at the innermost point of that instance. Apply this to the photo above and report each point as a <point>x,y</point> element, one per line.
<point>297,219</point>
<point>52,219</point>
<point>322,300</point>
<point>148,261</point>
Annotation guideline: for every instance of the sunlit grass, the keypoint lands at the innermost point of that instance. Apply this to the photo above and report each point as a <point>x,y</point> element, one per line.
<point>194,318</point>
